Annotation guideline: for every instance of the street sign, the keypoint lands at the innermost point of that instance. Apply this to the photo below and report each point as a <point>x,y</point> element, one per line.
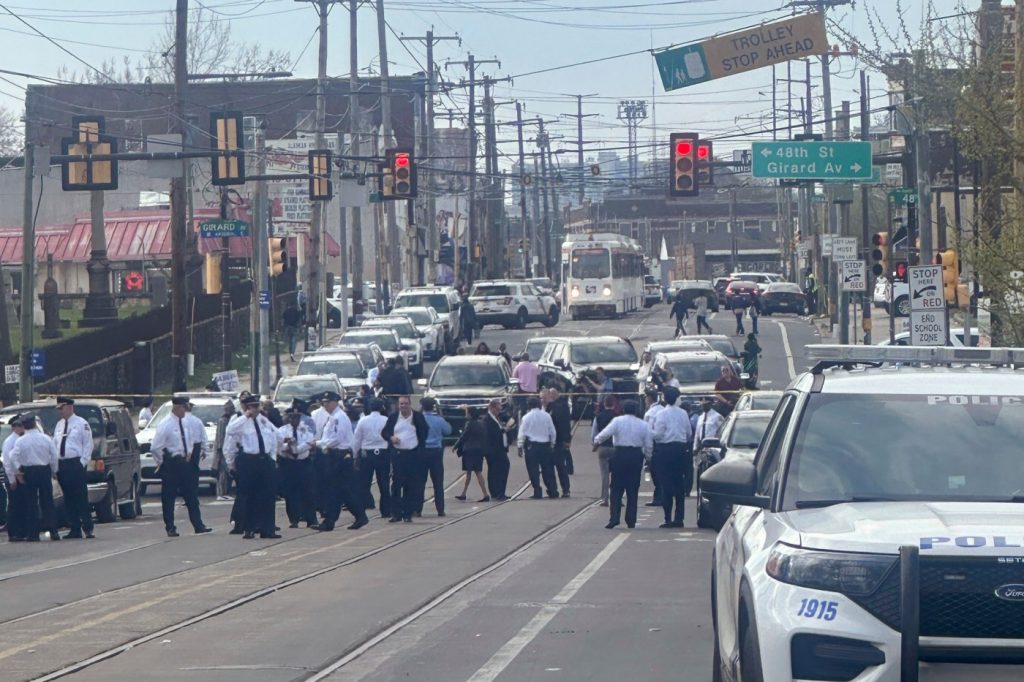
<point>876,178</point>
<point>926,287</point>
<point>844,248</point>
<point>902,196</point>
<point>928,328</point>
<point>854,275</point>
<point>812,160</point>
<point>264,299</point>
<point>226,381</point>
<point>794,38</point>
<point>12,374</point>
<point>826,245</point>
<point>217,229</point>
<point>37,364</point>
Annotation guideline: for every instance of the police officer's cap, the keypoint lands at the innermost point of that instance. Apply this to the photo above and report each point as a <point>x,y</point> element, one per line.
<point>63,400</point>
<point>15,420</point>
<point>331,396</point>
<point>28,421</point>
<point>298,405</point>
<point>179,400</point>
<point>292,411</point>
<point>250,400</point>
<point>376,405</point>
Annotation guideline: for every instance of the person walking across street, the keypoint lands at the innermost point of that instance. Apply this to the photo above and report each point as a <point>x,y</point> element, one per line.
<point>467,319</point>
<point>253,448</point>
<point>561,456</point>
<point>754,311</point>
<point>339,470</point>
<point>680,313</point>
<point>701,305</point>
<point>751,353</point>
<point>739,309</point>
<point>537,437</point>
<point>671,437</point>
<point>34,460</point>
<point>497,427</point>
<point>292,319</point>
<point>633,441</point>
<point>173,449</point>
<point>296,468</point>
<point>17,530</point>
<point>374,457</point>
<point>605,450</point>
<point>73,438</point>
<point>406,430</point>
<point>471,449</point>
<point>433,454</point>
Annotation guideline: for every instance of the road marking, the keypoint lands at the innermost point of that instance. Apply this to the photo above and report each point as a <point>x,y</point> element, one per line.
<point>789,350</point>
<point>508,653</point>
<point>77,562</point>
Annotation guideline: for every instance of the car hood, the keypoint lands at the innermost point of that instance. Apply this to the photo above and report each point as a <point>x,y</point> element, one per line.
<point>969,528</point>
<point>612,369</point>
<point>697,389</point>
<point>447,393</point>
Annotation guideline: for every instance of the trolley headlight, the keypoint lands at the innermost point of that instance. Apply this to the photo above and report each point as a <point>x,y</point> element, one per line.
<point>607,291</point>
<point>575,292</point>
<point>848,573</point>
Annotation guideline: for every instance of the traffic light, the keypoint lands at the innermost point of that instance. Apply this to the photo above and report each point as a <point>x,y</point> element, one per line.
<point>211,269</point>
<point>320,186</point>
<point>277,251</point>
<point>684,176</point>
<point>226,138</point>
<point>949,261</point>
<point>705,156</point>
<point>399,181</point>
<point>88,138</point>
<point>880,254</point>
<point>595,169</point>
<point>901,270</point>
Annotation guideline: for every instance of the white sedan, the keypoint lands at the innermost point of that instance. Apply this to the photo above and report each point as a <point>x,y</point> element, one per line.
<point>427,323</point>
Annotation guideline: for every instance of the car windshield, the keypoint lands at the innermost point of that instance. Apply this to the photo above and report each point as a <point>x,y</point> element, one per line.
<point>927,447</point>
<point>383,338</point>
<point>595,354</point>
<point>418,316</point>
<point>692,372</point>
<point>491,290</point>
<point>467,375</point>
<point>207,413</point>
<point>341,367</point>
<point>723,346</point>
<point>591,264</point>
<point>303,389</point>
<point>438,302</point>
<point>747,433</point>
<point>764,402</point>
<point>404,329</point>
<point>536,348</point>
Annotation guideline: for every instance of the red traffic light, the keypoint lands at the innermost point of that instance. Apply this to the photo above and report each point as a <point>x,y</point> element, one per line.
<point>684,148</point>
<point>401,160</point>
<point>702,152</point>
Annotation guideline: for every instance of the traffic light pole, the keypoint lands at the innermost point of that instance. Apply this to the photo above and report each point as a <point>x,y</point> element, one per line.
<point>225,289</point>
<point>179,226</point>
<point>865,199</point>
<point>28,280</point>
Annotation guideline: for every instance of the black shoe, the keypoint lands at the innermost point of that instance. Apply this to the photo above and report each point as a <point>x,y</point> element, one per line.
<point>359,523</point>
<point>312,526</point>
<point>653,503</point>
<point>485,498</point>
<point>630,525</point>
<point>172,533</point>
<point>395,519</point>
<point>74,536</point>
<point>248,535</point>
<point>204,529</point>
<point>235,531</point>
<point>89,535</point>
<point>460,498</point>
<point>667,524</point>
<point>325,527</point>
<point>407,519</point>
<point>270,536</point>
<point>678,524</point>
<point>293,525</point>
<point>441,513</point>
<point>612,524</point>
<point>565,494</point>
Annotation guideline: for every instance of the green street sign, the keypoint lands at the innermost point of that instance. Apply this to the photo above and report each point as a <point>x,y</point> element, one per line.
<point>902,196</point>
<point>812,160</point>
<point>876,178</point>
<point>218,229</point>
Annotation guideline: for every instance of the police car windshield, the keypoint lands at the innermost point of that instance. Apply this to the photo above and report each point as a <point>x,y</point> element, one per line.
<point>703,372</point>
<point>595,354</point>
<point>907,447</point>
<point>343,368</point>
<point>383,338</point>
<point>438,302</point>
<point>446,376</point>
<point>303,389</point>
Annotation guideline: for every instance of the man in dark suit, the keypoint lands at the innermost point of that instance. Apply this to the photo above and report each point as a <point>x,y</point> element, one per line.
<point>406,431</point>
<point>558,408</point>
<point>497,426</point>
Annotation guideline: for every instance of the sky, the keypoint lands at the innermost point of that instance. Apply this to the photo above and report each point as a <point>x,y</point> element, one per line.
<point>527,36</point>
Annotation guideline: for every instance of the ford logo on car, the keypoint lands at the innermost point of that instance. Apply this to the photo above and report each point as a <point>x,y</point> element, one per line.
<point>1010,592</point>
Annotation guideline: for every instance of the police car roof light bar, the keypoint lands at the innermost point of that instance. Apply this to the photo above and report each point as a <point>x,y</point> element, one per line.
<point>837,355</point>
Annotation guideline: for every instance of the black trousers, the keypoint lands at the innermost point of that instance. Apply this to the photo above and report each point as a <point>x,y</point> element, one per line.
<point>560,460</point>
<point>539,465</point>
<point>433,466</point>
<point>257,486</point>
<point>16,515</point>
<point>340,487</point>
<point>670,462</point>
<point>687,468</point>
<point>497,472</point>
<point>297,484</point>
<point>37,501</point>
<point>71,476</point>
<point>405,473</point>
<point>178,477</point>
<point>656,468</point>
<point>626,468</point>
<point>376,463</point>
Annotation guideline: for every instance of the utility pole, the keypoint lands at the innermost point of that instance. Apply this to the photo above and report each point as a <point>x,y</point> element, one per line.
<point>544,253</point>
<point>991,19</point>
<point>354,141</point>
<point>179,227</point>
<point>527,267</point>
<point>538,229</point>
<point>865,204</point>
<point>579,116</point>
<point>28,280</point>
<point>261,264</point>
<point>554,252</point>
<point>225,289</point>
<point>393,240</point>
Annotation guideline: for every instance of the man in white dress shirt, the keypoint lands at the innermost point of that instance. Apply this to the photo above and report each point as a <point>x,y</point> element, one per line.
<point>633,441</point>
<point>537,436</point>
<point>296,469</point>
<point>173,449</point>
<point>33,461</point>
<point>339,481</point>
<point>671,437</point>
<point>373,457</point>
<point>16,516</point>
<point>254,449</point>
<point>654,406</point>
<point>73,438</point>
<point>708,423</point>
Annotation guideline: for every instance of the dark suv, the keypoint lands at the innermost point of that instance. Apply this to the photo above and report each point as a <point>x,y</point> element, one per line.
<point>459,381</point>
<point>567,362</point>
<point>114,473</point>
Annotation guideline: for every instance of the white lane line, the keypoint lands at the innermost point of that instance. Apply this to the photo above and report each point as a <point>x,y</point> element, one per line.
<point>789,350</point>
<point>504,657</point>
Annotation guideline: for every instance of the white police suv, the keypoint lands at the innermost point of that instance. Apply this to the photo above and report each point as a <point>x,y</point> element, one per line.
<point>879,533</point>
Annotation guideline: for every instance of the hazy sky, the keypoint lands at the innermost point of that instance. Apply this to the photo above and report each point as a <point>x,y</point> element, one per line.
<point>526,35</point>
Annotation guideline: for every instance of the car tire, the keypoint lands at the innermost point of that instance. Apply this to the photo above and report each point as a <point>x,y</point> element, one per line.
<point>901,307</point>
<point>133,507</point>
<point>142,489</point>
<point>552,319</point>
<point>750,655</point>
<point>521,319</point>
<point>717,674</point>
<point>107,507</point>
<point>703,513</point>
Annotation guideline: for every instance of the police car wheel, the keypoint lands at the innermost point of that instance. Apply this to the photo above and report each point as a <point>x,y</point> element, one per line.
<point>520,321</point>
<point>750,656</point>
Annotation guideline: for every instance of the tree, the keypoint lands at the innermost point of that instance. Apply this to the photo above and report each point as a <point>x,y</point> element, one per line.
<point>11,133</point>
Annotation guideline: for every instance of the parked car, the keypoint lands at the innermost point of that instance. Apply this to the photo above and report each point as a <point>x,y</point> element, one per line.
<point>429,324</point>
<point>724,345</point>
<point>385,338</point>
<point>720,283</point>
<point>758,400</point>
<point>469,380</point>
<point>338,360</point>
<point>208,407</point>
<point>512,304</point>
<point>303,387</point>
<point>535,347</point>
<point>761,279</point>
<point>739,437</point>
<point>408,334</point>
<point>113,475</point>
<point>783,297</point>
<point>690,289</point>
<point>740,293</point>
<point>446,303</point>
<point>652,291</point>
<point>566,362</point>
<point>696,371</point>
<point>683,343</point>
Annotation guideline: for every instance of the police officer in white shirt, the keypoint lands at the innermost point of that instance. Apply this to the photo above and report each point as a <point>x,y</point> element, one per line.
<point>34,462</point>
<point>672,456</point>
<point>633,441</point>
<point>196,429</point>
<point>73,438</point>
<point>374,457</point>
<point>16,516</point>
<point>708,423</point>
<point>258,441</point>
<point>173,449</point>
<point>296,469</point>
<point>537,436</point>
<point>339,476</point>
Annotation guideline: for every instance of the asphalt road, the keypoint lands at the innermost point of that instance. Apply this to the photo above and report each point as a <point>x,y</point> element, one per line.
<point>521,590</point>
